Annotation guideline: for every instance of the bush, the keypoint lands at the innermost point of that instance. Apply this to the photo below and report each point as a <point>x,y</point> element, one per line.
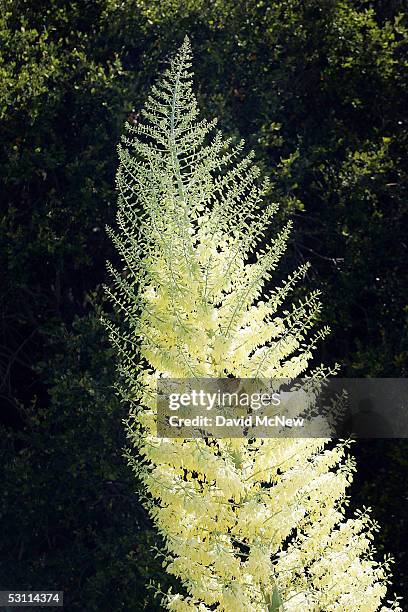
<point>317,88</point>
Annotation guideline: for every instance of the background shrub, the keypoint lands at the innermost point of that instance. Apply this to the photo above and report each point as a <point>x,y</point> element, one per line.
<point>318,90</point>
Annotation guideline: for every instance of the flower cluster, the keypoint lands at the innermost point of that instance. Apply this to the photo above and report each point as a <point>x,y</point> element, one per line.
<point>248,524</point>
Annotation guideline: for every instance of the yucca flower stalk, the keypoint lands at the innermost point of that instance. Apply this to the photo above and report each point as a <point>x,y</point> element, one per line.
<point>248,525</point>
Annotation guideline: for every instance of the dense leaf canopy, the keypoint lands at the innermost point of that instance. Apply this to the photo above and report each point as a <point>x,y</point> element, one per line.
<point>318,90</point>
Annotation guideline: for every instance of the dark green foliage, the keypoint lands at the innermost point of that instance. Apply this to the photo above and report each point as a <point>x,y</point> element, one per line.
<point>319,89</point>
<point>381,481</point>
<point>70,515</point>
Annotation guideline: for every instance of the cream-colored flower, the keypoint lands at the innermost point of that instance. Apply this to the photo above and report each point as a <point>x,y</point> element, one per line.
<point>248,524</point>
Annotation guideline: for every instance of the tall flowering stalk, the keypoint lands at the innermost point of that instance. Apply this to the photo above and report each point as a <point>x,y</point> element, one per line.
<point>248,525</point>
